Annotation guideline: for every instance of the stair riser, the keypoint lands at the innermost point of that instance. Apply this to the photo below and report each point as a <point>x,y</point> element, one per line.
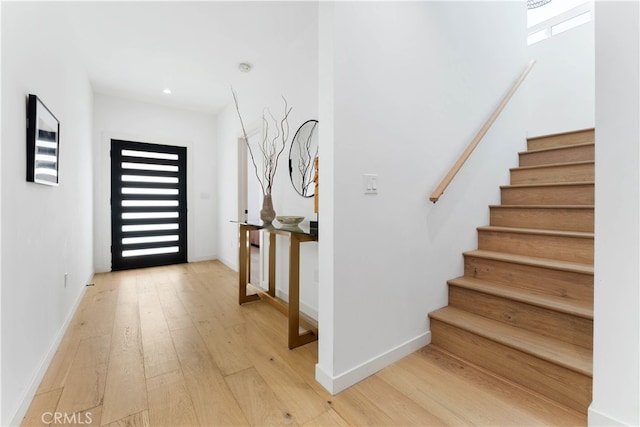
<point>562,219</point>
<point>581,172</point>
<point>549,195</point>
<point>562,326</point>
<point>578,153</point>
<point>558,383</point>
<point>562,248</point>
<point>552,141</point>
<point>566,284</point>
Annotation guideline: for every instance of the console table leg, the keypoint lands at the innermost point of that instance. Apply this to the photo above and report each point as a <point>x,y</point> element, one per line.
<point>245,264</point>
<point>295,338</point>
<point>272,264</point>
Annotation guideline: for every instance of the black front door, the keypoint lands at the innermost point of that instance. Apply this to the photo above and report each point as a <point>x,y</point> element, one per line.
<point>148,205</point>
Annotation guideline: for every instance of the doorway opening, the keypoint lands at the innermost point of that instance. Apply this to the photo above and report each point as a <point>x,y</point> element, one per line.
<point>250,202</point>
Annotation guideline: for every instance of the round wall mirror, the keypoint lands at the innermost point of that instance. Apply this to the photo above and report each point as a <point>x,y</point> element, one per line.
<point>304,150</point>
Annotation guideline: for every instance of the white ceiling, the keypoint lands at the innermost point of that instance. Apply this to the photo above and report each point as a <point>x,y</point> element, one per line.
<point>136,49</point>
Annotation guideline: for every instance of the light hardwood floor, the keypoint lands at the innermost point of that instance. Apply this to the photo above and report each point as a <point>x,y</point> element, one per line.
<point>170,346</point>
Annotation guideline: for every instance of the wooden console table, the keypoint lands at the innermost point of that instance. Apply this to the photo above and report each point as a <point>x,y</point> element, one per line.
<point>292,309</point>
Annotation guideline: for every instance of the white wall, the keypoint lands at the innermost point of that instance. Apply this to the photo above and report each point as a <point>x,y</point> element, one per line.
<point>405,94</point>
<point>298,83</point>
<point>326,267</point>
<point>561,86</point>
<point>616,372</point>
<point>1,230</point>
<point>46,231</point>
<point>139,122</point>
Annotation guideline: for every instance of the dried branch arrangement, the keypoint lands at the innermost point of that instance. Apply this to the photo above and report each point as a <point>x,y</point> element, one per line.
<point>275,134</point>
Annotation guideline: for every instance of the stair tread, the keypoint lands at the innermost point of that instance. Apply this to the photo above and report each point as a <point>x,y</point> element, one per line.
<point>558,134</point>
<point>553,165</point>
<point>538,231</point>
<point>542,206</point>
<point>528,296</point>
<point>533,261</point>
<point>561,147</point>
<point>575,358</point>
<point>549,184</point>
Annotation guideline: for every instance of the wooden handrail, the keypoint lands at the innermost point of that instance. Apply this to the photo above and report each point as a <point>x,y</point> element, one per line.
<point>476,140</point>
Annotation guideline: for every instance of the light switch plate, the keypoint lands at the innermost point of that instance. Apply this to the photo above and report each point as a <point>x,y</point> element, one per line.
<point>370,183</point>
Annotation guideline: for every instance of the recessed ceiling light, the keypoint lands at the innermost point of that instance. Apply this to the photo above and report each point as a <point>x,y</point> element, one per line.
<point>244,67</point>
<point>167,91</point>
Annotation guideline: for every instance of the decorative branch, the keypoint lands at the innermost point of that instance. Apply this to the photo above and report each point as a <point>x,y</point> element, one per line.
<point>284,127</point>
<point>246,139</point>
<point>269,145</point>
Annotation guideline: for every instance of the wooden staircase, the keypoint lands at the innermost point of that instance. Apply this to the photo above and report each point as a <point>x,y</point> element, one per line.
<point>524,307</point>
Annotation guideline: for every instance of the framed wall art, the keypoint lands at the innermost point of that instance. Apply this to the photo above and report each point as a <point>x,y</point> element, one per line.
<point>43,143</point>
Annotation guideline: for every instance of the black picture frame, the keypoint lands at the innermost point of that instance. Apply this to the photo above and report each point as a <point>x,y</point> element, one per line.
<point>43,143</point>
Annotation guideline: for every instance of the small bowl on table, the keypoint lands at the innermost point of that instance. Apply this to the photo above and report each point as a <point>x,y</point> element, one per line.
<point>289,221</point>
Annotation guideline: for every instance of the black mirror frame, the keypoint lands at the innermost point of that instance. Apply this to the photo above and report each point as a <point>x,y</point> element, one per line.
<point>310,165</point>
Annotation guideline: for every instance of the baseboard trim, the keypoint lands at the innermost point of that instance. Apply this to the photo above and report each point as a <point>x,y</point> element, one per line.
<point>305,308</point>
<point>203,258</point>
<point>324,379</point>
<point>233,265</point>
<point>30,392</point>
<point>338,383</point>
<point>596,418</point>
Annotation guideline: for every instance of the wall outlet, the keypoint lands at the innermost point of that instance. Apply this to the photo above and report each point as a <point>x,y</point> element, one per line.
<point>66,276</point>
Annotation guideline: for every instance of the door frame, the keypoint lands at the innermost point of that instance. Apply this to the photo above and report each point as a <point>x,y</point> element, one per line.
<point>102,193</point>
<point>118,262</point>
